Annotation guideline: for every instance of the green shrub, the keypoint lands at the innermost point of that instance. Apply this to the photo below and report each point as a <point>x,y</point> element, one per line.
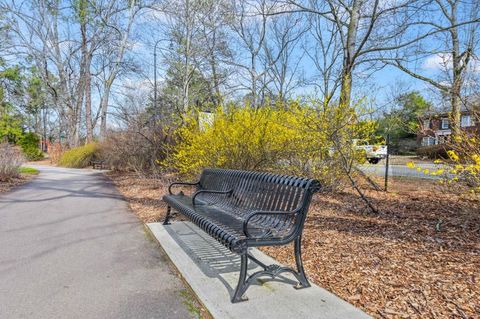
<point>29,144</point>
<point>80,157</point>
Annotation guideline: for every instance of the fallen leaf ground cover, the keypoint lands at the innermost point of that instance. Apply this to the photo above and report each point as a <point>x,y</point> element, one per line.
<point>419,257</point>
<point>6,186</point>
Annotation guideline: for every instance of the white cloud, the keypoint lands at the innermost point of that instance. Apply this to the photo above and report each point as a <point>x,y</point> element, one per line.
<point>443,61</point>
<point>438,61</point>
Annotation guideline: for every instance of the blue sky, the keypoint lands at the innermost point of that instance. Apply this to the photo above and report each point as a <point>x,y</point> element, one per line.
<point>378,88</point>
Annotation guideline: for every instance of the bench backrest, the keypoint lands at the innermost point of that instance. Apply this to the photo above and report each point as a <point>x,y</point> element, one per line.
<point>257,191</point>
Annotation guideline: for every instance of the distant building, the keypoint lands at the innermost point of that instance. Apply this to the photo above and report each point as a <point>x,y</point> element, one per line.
<point>435,127</point>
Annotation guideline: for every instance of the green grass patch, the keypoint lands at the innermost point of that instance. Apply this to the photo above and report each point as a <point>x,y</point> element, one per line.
<point>190,303</point>
<point>28,170</point>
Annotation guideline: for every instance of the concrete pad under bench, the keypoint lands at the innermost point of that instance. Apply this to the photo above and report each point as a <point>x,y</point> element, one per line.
<point>212,272</point>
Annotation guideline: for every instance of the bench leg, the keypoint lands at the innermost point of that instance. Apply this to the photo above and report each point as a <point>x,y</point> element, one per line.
<point>166,221</point>
<point>242,281</point>
<point>302,279</point>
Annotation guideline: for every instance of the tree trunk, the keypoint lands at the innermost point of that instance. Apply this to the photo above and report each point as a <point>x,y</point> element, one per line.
<point>253,75</point>
<point>114,72</point>
<point>349,57</point>
<point>104,110</point>
<point>186,73</point>
<point>87,77</point>
<point>456,88</point>
<point>213,65</point>
<point>88,100</point>
<point>346,88</point>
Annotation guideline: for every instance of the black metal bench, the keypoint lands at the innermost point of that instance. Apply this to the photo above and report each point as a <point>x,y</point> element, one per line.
<point>243,209</point>
<point>97,164</point>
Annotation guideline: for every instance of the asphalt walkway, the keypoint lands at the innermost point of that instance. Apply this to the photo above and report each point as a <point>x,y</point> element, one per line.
<point>70,248</point>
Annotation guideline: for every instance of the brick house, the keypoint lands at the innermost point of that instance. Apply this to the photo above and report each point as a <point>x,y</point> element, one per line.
<point>435,128</point>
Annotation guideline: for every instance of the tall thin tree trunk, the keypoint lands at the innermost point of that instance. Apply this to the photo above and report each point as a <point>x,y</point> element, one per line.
<point>104,110</point>
<point>114,72</point>
<point>86,59</point>
<point>348,59</point>
<point>88,100</point>
<point>253,75</point>
<point>456,88</point>
<point>213,65</point>
<point>186,71</point>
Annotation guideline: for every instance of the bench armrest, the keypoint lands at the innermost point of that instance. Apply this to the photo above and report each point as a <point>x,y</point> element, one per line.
<point>268,213</point>
<point>180,183</point>
<point>203,191</point>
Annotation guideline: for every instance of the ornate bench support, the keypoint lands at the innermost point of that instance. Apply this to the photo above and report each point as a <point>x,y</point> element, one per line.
<point>272,271</point>
<point>166,221</point>
<point>242,282</point>
<point>302,279</point>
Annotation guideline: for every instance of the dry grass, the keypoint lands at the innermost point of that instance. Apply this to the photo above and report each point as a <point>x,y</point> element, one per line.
<point>418,258</point>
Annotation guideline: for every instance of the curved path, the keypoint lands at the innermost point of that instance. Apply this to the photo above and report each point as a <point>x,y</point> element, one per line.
<point>70,248</point>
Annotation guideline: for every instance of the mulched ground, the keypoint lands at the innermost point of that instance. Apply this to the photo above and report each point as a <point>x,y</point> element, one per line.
<point>419,257</point>
<point>5,186</point>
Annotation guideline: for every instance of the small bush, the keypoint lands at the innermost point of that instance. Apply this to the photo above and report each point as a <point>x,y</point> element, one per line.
<point>135,150</point>
<point>10,160</point>
<point>80,157</point>
<point>29,144</point>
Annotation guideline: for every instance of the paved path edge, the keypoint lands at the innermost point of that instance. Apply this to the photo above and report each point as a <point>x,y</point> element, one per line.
<point>314,302</point>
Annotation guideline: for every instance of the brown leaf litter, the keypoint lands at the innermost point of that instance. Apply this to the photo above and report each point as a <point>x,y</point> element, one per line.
<point>418,258</point>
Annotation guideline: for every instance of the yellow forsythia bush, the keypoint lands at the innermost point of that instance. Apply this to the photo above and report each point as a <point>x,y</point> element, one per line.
<point>460,172</point>
<point>463,168</point>
<point>297,139</point>
<point>80,157</point>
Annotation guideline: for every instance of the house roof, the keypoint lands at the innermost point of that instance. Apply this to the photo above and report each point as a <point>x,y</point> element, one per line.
<point>469,104</point>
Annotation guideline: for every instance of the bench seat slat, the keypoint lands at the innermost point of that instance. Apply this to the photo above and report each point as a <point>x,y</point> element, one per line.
<point>224,227</point>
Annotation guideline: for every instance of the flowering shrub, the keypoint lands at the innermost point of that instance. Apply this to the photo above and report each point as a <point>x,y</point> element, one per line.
<point>464,165</point>
<point>297,139</point>
<point>460,173</point>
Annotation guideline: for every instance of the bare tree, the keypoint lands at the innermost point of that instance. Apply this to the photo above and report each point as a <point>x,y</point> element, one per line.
<point>120,23</point>
<point>182,27</point>
<point>35,26</point>
<point>216,53</point>
<point>325,54</point>
<point>251,23</point>
<point>364,27</point>
<point>453,50</point>
<point>281,54</point>
<point>65,52</point>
